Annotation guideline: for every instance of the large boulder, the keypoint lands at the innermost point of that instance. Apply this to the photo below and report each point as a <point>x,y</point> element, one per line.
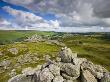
<point>67,55</point>
<point>45,75</point>
<point>87,77</point>
<point>54,69</point>
<point>58,79</point>
<point>70,71</point>
<point>96,70</point>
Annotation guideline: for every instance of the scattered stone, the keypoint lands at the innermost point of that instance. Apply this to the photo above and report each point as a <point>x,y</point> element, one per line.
<point>13,73</point>
<point>27,58</point>
<point>55,42</point>
<point>1,54</point>
<point>13,51</point>
<point>28,71</point>
<point>5,64</point>
<point>34,38</point>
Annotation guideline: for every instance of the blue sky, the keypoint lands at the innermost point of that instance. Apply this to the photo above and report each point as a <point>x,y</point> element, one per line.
<point>50,15</point>
<point>6,15</point>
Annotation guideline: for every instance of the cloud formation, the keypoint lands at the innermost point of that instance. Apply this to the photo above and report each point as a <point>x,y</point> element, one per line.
<point>29,20</point>
<point>79,12</point>
<point>69,13</point>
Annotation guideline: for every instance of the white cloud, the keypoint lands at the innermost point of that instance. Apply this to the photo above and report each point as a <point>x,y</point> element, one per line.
<point>29,20</point>
<point>70,13</point>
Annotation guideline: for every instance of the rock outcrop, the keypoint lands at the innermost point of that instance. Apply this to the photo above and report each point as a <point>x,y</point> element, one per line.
<point>67,68</point>
<point>34,38</point>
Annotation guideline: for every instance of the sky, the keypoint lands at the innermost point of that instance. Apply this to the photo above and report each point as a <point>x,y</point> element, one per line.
<point>55,15</point>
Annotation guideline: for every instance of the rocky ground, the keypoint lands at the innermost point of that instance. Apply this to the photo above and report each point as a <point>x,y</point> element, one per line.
<point>66,68</point>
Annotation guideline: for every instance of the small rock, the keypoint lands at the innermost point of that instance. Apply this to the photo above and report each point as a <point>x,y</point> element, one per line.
<point>5,64</point>
<point>58,59</point>
<point>13,73</point>
<point>13,50</point>
<point>28,71</point>
<point>1,54</point>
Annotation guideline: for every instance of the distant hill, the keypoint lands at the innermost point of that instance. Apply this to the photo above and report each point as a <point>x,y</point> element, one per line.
<point>12,36</point>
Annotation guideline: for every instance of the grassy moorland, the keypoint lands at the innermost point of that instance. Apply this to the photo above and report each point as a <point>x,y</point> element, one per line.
<point>93,46</point>
<point>12,36</point>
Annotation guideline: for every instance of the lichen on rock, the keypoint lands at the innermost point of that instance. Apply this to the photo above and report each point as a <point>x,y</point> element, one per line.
<point>67,68</point>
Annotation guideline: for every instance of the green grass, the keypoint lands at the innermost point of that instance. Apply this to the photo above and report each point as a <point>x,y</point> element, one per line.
<point>95,48</point>
<point>41,48</point>
<point>91,47</point>
<point>12,36</point>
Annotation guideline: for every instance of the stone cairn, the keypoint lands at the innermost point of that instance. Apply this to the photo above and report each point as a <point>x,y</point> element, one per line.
<point>67,68</point>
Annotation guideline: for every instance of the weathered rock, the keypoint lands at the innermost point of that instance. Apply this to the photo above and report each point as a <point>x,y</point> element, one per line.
<point>58,79</point>
<point>5,64</point>
<point>34,38</point>
<point>67,55</point>
<point>27,58</point>
<point>78,61</point>
<point>20,78</point>
<point>106,77</point>
<point>65,69</point>
<point>28,71</point>
<point>96,70</point>
<point>71,70</point>
<point>87,77</point>
<point>46,75</point>
<point>55,70</point>
<point>13,50</point>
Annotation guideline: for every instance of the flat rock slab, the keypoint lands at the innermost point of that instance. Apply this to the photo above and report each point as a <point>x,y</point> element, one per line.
<point>88,77</point>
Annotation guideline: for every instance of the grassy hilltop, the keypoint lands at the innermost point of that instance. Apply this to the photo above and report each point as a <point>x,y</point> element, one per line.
<point>93,46</point>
